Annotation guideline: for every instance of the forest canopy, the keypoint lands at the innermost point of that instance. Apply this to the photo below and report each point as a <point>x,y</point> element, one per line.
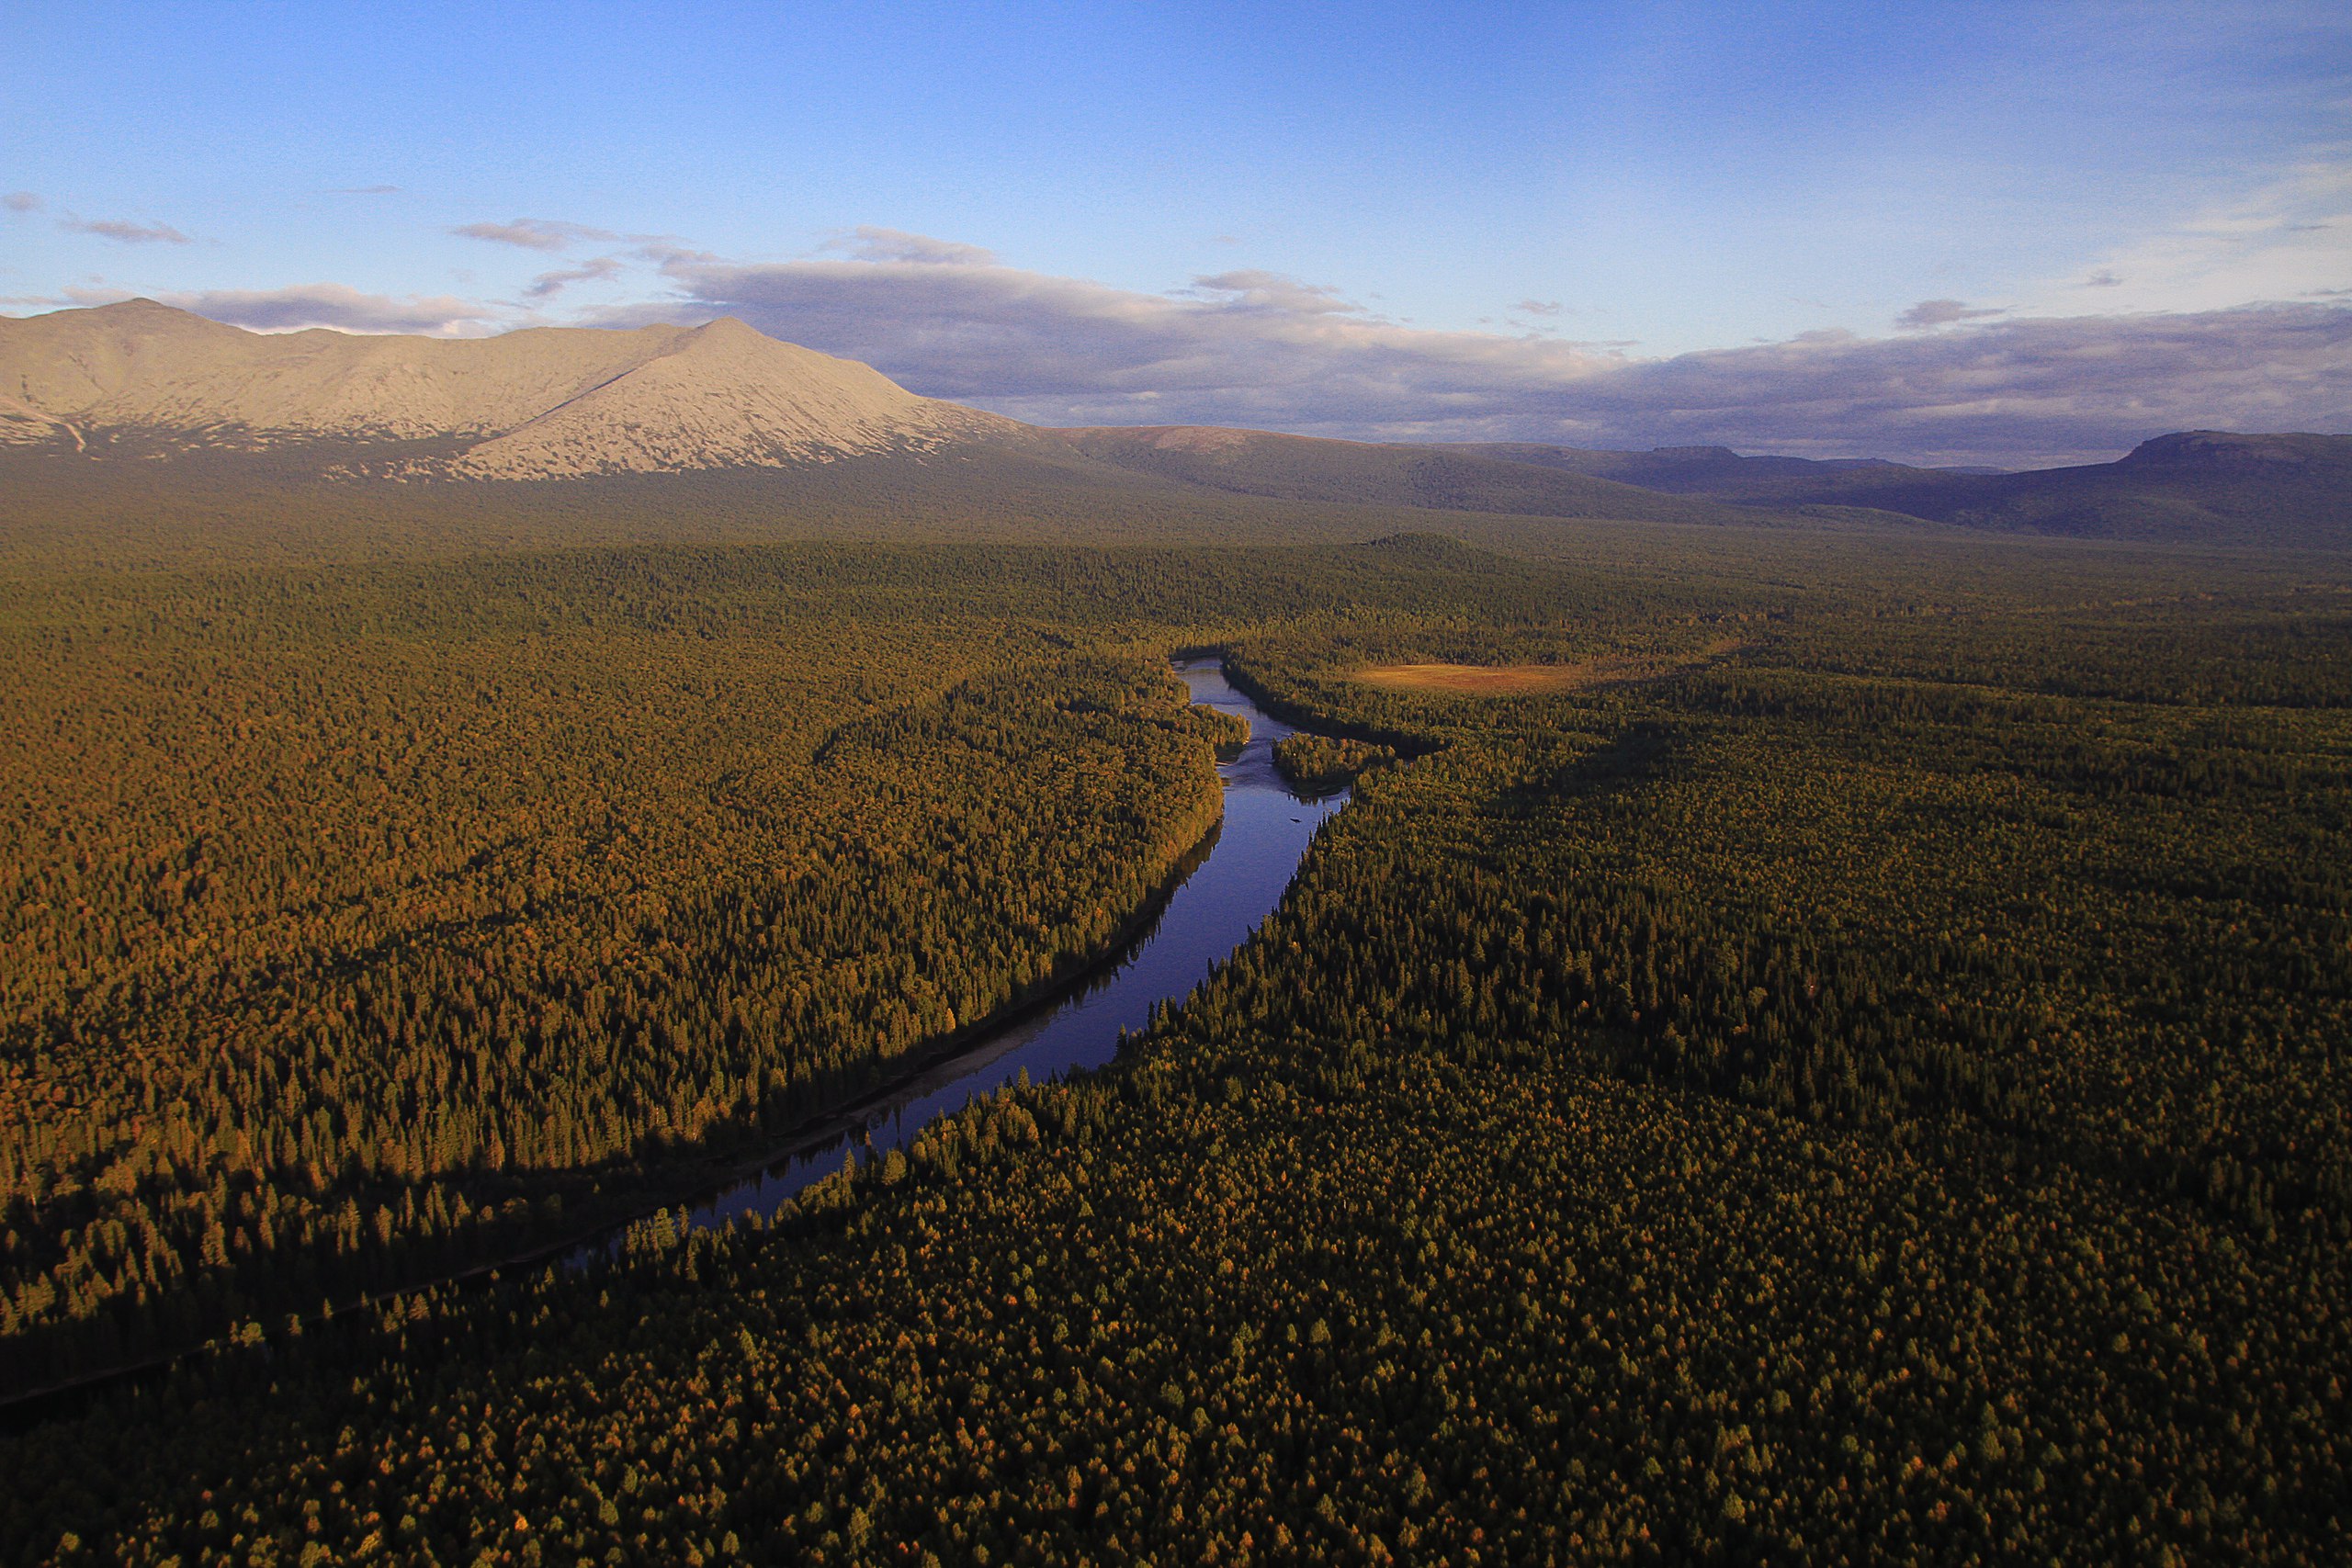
<point>1864,1082</point>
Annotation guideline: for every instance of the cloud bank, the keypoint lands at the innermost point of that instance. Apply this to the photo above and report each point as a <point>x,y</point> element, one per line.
<point>1956,382</point>
<point>1960,384</point>
<point>329,305</point>
<point>2022,392</point>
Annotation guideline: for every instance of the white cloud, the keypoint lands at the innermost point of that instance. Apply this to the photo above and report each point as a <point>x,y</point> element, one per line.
<point>338,307</point>
<point>534,233</point>
<point>2292,239</point>
<point>125,233</point>
<point>867,242</point>
<point>1943,313</point>
<point>22,201</point>
<point>547,284</point>
<point>1272,291</point>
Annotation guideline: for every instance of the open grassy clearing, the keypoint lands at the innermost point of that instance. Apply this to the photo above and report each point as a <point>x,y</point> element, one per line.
<point>1480,679</point>
<point>1519,680</point>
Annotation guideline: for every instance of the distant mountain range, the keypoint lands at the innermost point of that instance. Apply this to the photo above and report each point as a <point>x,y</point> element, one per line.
<point>143,380</point>
<point>2205,485</point>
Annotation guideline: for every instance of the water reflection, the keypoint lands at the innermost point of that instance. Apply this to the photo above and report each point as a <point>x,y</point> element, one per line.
<point>1266,831</point>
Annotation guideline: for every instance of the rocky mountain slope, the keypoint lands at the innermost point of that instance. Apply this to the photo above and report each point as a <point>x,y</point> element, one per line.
<point>1716,471</point>
<point>539,403</point>
<point>550,403</point>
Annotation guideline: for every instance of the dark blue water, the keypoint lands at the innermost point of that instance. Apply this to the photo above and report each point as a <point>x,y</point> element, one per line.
<point>1266,831</point>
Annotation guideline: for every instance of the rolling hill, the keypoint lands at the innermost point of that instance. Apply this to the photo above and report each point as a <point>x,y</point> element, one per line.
<point>2202,486</point>
<point>1715,471</point>
<point>1315,468</point>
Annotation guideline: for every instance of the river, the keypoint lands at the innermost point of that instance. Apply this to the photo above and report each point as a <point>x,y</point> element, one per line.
<point>1255,851</point>
<point>1224,894</point>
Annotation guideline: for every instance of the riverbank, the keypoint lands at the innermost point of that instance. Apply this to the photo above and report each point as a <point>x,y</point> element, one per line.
<point>1070,1021</point>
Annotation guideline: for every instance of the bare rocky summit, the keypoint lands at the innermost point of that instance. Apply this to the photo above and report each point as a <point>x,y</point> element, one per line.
<point>539,403</point>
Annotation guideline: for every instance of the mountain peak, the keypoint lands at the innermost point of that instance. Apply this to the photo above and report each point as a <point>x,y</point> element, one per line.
<point>544,402</point>
<point>725,329</point>
<point>2229,450</point>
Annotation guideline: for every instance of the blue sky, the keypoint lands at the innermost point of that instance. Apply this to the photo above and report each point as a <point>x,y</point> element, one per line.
<point>1602,190</point>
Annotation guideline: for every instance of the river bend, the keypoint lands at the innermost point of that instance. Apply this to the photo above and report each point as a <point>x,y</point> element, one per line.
<point>1254,853</point>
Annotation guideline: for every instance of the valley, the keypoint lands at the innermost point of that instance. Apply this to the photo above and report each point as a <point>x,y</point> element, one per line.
<point>1692,1028</point>
<point>1174,786</point>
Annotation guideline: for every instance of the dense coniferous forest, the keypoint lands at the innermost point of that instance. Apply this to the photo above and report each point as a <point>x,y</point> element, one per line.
<point>1865,1082</point>
<point>360,931</point>
<point>1319,763</point>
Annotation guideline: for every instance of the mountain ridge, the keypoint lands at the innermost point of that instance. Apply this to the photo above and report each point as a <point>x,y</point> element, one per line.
<point>1320,468</point>
<point>2203,486</point>
<point>143,380</point>
<point>537,402</point>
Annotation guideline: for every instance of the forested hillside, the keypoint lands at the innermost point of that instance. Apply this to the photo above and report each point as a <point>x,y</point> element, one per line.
<point>1309,468</point>
<point>371,927</point>
<point>1874,1092</point>
<point>361,930</point>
